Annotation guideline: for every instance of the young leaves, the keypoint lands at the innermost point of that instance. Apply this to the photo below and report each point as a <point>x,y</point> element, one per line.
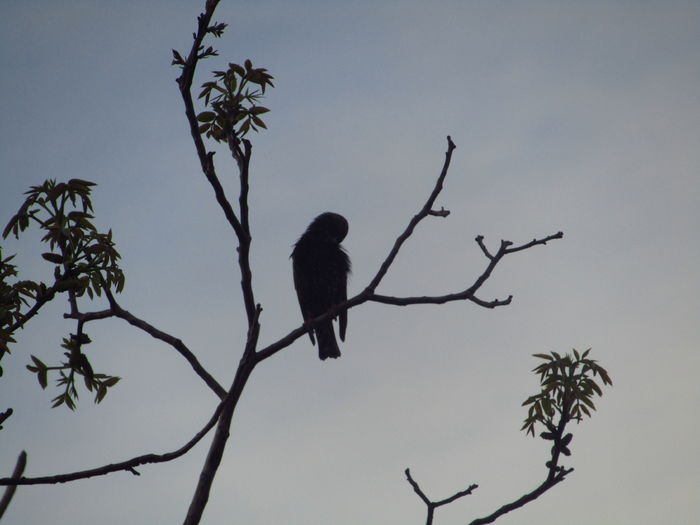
<point>567,389</point>
<point>76,364</point>
<point>86,259</point>
<point>234,104</point>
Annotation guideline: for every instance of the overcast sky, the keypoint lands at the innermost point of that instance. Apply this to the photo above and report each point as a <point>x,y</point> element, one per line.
<point>575,116</point>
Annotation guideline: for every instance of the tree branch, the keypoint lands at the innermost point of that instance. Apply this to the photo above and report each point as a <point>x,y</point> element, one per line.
<point>243,160</point>
<point>368,293</point>
<point>422,214</point>
<point>206,159</point>
<point>128,465</point>
<point>216,449</point>
<point>184,81</point>
<point>527,498</point>
<point>117,311</point>
<point>432,505</point>
<point>468,294</point>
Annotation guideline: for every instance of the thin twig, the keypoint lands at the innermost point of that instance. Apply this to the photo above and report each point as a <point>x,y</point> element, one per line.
<point>422,214</point>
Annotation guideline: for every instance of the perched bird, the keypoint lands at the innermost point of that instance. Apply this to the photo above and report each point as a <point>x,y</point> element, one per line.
<point>321,269</point>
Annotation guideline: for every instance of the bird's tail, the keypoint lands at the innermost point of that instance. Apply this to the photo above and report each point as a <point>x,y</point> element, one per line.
<point>327,345</point>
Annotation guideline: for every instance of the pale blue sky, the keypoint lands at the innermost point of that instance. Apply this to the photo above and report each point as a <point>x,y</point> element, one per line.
<point>581,117</point>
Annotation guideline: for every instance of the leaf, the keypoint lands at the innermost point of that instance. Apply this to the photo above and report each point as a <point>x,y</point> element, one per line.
<point>177,59</point>
<point>101,393</point>
<point>111,381</point>
<point>588,401</point>
<point>529,400</point>
<point>244,128</point>
<point>237,69</point>
<point>595,387</point>
<point>53,257</point>
<point>259,122</point>
<point>38,362</point>
<point>11,226</point>
<point>206,116</point>
<point>81,182</point>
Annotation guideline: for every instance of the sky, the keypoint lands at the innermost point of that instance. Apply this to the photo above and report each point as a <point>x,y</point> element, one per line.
<point>571,116</point>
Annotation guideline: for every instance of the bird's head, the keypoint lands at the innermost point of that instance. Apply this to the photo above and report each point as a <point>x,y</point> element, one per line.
<point>329,226</point>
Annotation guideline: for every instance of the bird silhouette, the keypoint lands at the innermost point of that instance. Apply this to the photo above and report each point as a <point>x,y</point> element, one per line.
<point>321,267</point>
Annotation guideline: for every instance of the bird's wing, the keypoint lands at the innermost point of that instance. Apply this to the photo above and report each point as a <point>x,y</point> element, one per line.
<point>301,286</point>
<point>342,297</point>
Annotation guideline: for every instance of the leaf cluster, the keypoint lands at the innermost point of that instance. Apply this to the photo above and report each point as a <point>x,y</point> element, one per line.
<point>76,364</point>
<point>85,262</point>
<point>233,98</point>
<point>14,297</point>
<point>85,259</point>
<point>567,390</point>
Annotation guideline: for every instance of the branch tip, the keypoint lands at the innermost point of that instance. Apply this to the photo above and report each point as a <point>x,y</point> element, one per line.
<point>442,212</point>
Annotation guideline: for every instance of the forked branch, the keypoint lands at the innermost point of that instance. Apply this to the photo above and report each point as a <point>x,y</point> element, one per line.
<point>432,505</point>
<point>368,293</point>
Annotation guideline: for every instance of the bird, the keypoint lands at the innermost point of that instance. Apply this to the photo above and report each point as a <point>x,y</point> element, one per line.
<point>321,266</point>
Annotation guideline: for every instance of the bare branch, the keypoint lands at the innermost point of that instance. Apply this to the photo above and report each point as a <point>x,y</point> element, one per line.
<point>535,242</point>
<point>128,465</point>
<point>4,415</point>
<point>10,490</point>
<point>439,299</point>
<point>221,435</point>
<point>480,241</point>
<point>416,488</point>
<point>432,505</point>
<point>422,214</point>
<point>368,293</point>
<point>243,160</point>
<point>456,496</point>
<point>468,294</point>
<point>527,498</point>
<point>90,316</point>
<point>177,344</point>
